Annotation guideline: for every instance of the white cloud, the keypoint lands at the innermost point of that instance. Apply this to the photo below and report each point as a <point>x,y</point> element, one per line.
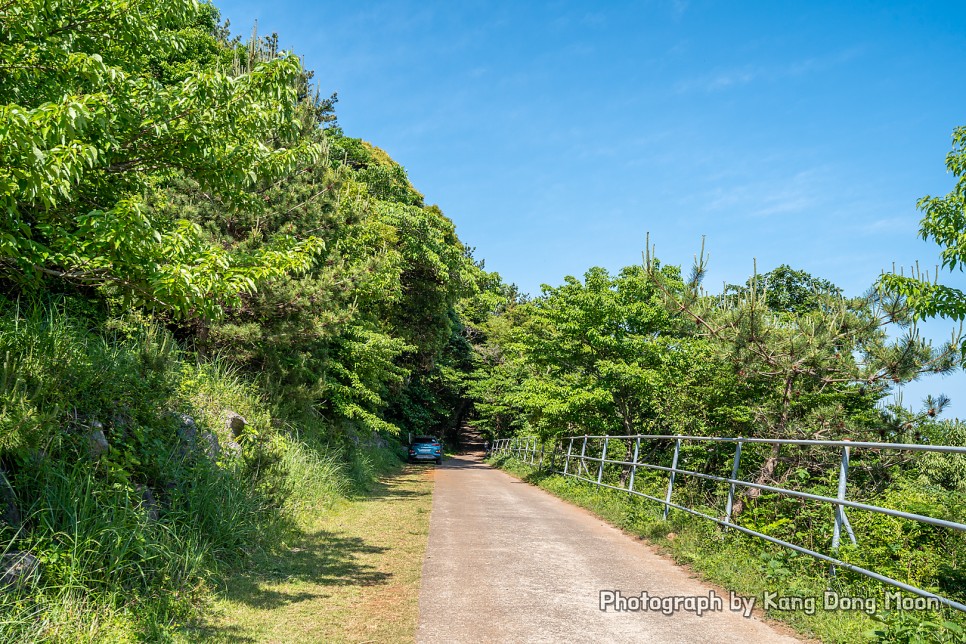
<point>722,79</point>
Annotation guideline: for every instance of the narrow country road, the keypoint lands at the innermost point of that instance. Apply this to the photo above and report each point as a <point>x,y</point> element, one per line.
<point>508,562</point>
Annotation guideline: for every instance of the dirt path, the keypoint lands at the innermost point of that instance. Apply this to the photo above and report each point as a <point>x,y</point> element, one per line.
<point>507,562</point>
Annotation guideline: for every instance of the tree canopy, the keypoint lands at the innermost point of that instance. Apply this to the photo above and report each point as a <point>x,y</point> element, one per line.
<point>944,222</point>
<point>101,105</point>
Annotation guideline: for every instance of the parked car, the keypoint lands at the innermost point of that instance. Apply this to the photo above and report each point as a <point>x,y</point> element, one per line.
<point>426,448</point>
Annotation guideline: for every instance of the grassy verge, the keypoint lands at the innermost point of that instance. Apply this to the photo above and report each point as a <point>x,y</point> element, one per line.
<point>128,499</point>
<point>349,573</point>
<point>751,567</point>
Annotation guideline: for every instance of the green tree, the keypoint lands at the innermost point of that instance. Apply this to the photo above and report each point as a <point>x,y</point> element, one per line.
<point>944,222</point>
<point>785,289</point>
<point>599,355</point>
<point>816,369</point>
<point>98,109</point>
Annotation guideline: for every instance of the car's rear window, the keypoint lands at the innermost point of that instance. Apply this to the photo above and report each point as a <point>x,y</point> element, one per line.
<point>424,439</point>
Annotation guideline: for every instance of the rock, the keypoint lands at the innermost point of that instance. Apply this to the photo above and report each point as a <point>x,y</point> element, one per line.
<point>170,492</point>
<point>188,431</point>
<point>233,449</point>
<point>235,423</point>
<point>17,568</point>
<point>96,441</point>
<point>148,502</point>
<point>187,435</point>
<point>210,444</point>
<point>378,441</point>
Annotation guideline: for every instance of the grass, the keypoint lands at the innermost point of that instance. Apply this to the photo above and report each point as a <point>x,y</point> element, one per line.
<point>748,566</point>
<point>258,529</point>
<point>350,573</point>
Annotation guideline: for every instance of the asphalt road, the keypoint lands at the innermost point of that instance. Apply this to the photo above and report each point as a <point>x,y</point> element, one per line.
<point>508,562</point>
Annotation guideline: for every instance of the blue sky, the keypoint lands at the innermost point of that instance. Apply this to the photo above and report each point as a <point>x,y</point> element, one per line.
<point>557,134</point>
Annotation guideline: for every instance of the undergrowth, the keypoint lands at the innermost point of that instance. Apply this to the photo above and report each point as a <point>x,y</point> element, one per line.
<point>130,541</point>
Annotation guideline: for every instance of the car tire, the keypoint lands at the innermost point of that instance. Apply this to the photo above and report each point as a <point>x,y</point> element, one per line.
<point>439,461</point>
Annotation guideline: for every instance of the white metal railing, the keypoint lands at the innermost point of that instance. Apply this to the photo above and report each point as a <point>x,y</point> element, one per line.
<point>575,465</point>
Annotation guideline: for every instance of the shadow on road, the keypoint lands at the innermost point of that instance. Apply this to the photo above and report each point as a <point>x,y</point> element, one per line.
<point>465,462</point>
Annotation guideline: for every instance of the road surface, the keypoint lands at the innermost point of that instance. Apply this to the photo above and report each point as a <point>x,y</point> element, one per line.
<point>508,562</point>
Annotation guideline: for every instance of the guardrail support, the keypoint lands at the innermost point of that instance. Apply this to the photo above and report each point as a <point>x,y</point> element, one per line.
<point>670,483</point>
<point>637,450</point>
<point>840,518</point>
<point>603,457</point>
<point>583,453</point>
<point>570,448</point>
<point>731,488</point>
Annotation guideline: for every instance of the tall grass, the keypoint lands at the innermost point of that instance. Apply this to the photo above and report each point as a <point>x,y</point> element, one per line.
<point>115,567</point>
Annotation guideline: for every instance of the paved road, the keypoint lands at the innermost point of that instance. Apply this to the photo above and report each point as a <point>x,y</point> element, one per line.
<point>507,562</point>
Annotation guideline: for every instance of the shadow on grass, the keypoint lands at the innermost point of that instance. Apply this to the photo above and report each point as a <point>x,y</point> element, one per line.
<point>322,558</point>
<point>316,564</point>
<point>390,487</point>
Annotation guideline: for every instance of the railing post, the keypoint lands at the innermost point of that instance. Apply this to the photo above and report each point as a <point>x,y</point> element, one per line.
<point>670,483</point>
<point>840,518</point>
<point>570,449</point>
<point>603,457</point>
<point>637,449</point>
<point>583,453</point>
<point>542,445</point>
<point>731,488</point>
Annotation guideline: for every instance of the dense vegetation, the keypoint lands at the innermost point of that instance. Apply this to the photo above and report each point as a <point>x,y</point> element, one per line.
<point>217,311</point>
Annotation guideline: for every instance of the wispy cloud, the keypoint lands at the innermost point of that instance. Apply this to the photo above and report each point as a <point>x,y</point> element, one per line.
<point>891,225</point>
<point>678,7</point>
<point>718,80</point>
<point>723,79</point>
<point>775,196</point>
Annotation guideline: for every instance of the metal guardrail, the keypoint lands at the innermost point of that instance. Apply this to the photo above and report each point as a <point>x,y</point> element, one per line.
<point>575,465</point>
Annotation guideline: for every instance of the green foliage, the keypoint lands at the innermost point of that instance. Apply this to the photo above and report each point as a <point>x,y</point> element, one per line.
<point>944,222</point>
<point>784,356</point>
<point>113,564</point>
<point>188,234</point>
<point>94,118</point>
<point>599,355</point>
<point>810,362</point>
<point>786,290</point>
